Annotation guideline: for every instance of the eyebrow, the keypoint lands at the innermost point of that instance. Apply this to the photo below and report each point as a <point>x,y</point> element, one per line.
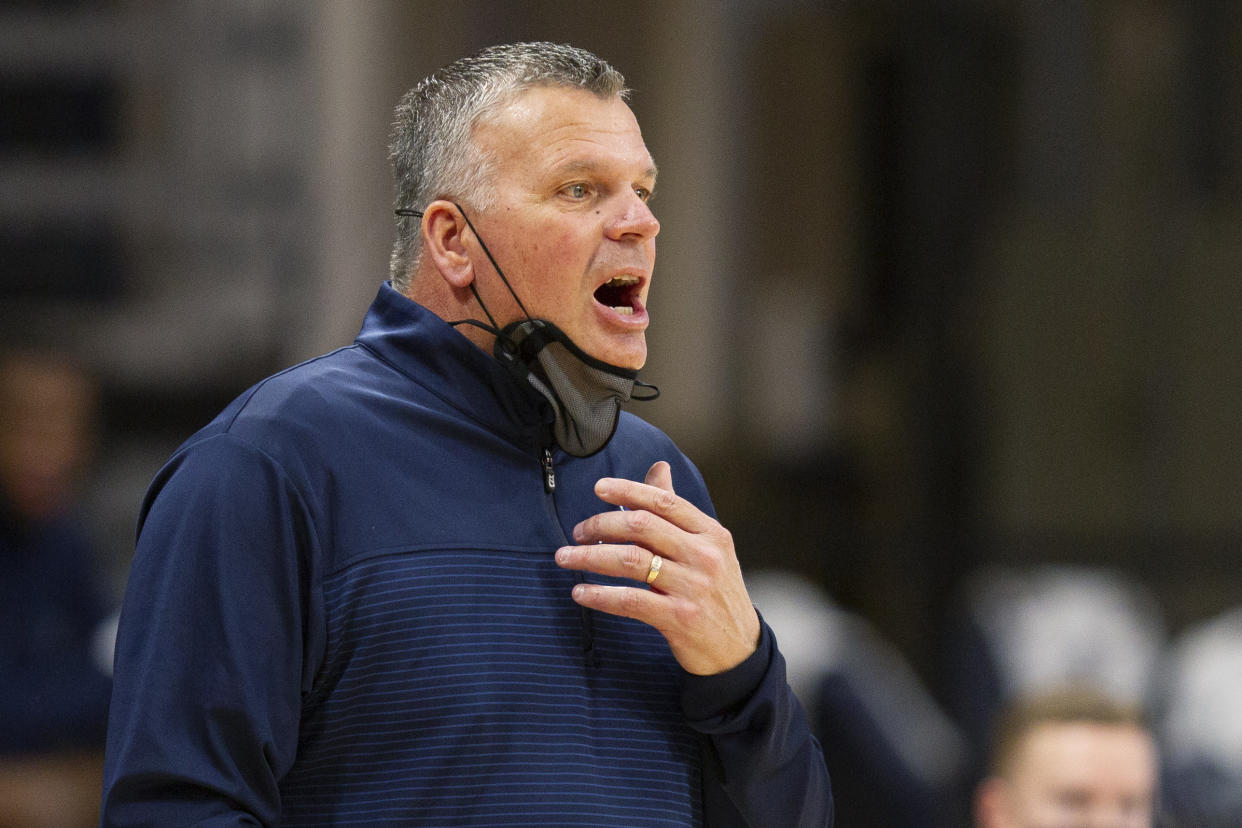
<point>583,167</point>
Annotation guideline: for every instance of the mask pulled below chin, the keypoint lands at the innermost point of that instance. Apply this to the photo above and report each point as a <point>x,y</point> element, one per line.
<point>585,393</point>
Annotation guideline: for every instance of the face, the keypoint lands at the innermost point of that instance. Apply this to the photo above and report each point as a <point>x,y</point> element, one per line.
<point>45,413</point>
<point>569,223</point>
<point>1080,775</point>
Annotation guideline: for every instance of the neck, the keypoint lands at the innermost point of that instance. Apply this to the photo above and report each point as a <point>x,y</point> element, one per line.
<point>450,304</point>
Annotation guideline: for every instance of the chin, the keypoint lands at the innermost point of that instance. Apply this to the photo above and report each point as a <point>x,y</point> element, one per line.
<point>629,352</point>
<point>626,358</point>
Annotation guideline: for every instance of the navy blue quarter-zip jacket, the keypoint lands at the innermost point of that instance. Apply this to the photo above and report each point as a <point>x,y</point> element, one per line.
<point>343,610</point>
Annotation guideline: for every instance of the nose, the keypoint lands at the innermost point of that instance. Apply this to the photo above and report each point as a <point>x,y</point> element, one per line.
<point>634,220</point>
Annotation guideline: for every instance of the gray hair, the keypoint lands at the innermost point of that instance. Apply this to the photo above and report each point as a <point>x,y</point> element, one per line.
<point>432,151</point>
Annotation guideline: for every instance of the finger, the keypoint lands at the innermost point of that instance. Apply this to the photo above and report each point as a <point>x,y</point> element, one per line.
<point>659,501</point>
<point>660,475</point>
<point>635,526</point>
<point>617,560</point>
<point>640,604</point>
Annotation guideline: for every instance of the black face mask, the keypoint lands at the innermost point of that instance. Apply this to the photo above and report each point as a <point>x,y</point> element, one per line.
<point>585,393</point>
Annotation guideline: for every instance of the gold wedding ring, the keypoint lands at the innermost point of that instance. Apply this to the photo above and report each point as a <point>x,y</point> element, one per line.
<point>654,570</point>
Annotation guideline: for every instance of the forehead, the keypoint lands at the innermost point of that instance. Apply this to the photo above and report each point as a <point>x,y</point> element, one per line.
<point>1121,754</point>
<point>547,128</point>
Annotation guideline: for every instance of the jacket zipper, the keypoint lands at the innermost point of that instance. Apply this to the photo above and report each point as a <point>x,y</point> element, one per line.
<point>588,625</point>
<point>549,473</point>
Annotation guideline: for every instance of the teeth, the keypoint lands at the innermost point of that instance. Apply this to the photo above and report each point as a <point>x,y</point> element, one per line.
<point>624,310</point>
<point>622,281</point>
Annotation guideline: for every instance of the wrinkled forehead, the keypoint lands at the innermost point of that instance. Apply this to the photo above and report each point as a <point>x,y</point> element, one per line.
<point>552,122</point>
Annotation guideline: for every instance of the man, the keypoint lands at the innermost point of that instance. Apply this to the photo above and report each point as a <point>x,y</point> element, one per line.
<point>436,578</point>
<point>53,687</point>
<point>1070,759</point>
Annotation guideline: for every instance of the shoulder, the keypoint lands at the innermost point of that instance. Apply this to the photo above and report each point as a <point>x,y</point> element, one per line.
<point>305,403</point>
<point>289,425</point>
<point>634,431</point>
<point>302,392</point>
<point>637,444</point>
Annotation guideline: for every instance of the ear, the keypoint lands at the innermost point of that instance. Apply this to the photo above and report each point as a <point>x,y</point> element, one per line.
<point>442,227</point>
<point>991,803</point>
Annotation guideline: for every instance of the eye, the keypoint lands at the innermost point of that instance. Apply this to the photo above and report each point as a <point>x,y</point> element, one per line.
<point>577,191</point>
<point>643,193</point>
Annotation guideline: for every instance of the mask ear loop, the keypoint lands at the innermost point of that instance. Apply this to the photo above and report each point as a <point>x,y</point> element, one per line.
<point>649,392</point>
<point>492,259</point>
<point>495,329</point>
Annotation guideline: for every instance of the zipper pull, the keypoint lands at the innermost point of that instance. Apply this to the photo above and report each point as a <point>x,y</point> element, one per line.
<point>549,474</point>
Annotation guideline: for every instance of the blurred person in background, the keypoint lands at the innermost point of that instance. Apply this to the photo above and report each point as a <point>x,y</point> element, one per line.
<point>54,648</point>
<point>1022,631</point>
<point>895,757</point>
<point>1070,758</point>
<point>1199,722</point>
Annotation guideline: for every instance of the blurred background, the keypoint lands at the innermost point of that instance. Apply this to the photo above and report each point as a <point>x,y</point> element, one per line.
<point>948,292</point>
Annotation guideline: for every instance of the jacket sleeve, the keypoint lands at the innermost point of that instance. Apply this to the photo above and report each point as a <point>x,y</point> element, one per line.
<point>210,658</point>
<point>763,767</point>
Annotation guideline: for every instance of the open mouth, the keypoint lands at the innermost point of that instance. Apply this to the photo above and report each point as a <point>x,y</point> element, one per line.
<point>621,294</point>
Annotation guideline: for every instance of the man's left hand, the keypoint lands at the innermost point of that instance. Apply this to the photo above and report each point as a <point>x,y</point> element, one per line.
<point>697,600</point>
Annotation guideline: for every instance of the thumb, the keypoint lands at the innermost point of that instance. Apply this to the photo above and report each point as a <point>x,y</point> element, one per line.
<point>660,475</point>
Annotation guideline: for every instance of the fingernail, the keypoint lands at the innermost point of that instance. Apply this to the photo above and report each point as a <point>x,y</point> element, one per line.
<point>562,555</point>
<point>579,591</point>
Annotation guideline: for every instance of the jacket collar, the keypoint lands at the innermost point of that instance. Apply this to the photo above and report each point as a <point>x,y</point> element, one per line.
<point>433,354</point>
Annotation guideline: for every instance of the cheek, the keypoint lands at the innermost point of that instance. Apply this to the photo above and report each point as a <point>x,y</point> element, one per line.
<point>544,252</point>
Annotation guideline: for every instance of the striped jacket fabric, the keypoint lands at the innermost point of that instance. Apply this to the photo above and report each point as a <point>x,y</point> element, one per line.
<point>343,610</point>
